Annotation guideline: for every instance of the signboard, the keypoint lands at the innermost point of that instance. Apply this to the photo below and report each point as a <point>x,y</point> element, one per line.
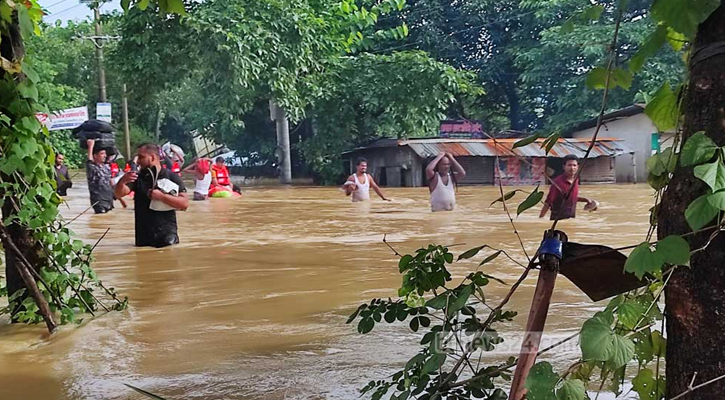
<point>65,119</point>
<point>103,112</point>
<point>455,129</point>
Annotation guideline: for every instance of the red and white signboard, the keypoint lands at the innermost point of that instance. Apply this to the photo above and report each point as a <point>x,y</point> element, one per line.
<point>65,119</point>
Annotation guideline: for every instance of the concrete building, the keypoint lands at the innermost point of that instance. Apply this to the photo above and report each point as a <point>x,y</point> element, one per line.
<point>394,162</point>
<point>637,132</point>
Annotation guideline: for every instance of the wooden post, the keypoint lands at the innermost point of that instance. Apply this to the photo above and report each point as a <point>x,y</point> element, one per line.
<point>537,317</point>
<point>126,132</point>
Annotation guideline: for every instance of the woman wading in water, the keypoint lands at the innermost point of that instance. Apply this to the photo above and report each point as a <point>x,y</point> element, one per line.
<point>442,182</point>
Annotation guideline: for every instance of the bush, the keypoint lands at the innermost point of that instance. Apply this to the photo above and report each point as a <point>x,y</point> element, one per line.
<point>64,143</point>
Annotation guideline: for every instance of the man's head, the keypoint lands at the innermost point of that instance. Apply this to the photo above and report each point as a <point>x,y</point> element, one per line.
<point>59,159</point>
<point>362,165</point>
<point>219,161</point>
<point>444,165</point>
<point>99,155</point>
<point>571,165</point>
<point>148,155</point>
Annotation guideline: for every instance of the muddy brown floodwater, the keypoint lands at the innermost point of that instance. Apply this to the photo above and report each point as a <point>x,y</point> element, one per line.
<point>252,304</point>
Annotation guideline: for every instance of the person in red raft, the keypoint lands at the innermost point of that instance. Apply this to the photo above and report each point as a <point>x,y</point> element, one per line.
<point>221,183</point>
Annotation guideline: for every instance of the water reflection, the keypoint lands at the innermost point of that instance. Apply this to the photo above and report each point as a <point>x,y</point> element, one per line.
<point>252,303</point>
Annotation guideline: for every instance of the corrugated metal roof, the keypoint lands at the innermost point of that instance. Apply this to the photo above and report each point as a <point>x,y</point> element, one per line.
<point>504,147</point>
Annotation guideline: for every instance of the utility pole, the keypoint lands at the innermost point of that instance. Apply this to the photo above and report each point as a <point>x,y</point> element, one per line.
<point>99,54</point>
<point>126,132</point>
<point>279,115</point>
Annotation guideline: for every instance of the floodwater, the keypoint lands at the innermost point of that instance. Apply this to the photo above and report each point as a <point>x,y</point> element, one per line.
<point>252,304</point>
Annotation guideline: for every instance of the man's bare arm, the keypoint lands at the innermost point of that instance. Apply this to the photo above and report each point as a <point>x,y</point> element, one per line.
<point>376,188</point>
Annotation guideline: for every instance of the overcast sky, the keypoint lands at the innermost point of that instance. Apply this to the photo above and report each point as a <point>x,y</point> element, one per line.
<point>65,10</point>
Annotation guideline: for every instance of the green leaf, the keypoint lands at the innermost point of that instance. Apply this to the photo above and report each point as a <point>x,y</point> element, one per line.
<point>676,39</point>
<point>27,28</point>
<point>713,174</point>
<point>683,16</point>
<point>541,382</point>
<point>471,253</point>
<point>533,199</point>
<point>438,302</point>
<point>571,389</point>
<point>717,200</point>
<point>643,260</point>
<point>630,312</point>
<point>125,5</point>
<point>698,149</point>
<point>142,4</point>
<point>461,300</point>
<point>506,197</point>
<point>433,363</point>
<point>597,78</point>
<point>175,6</point>
<point>551,141</point>
<point>526,141</point>
<point>649,48</point>
<point>593,12</point>
<point>404,261</point>
<point>700,212</point>
<point>674,250</point>
<point>596,337</point>
<point>491,258</point>
<point>599,342</point>
<point>655,165</point>
<point>28,90</point>
<point>663,108</point>
<point>6,12</point>
<point>647,387</point>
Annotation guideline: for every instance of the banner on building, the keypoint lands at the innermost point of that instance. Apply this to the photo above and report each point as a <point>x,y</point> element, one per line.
<point>65,119</point>
<point>103,112</point>
<point>459,129</point>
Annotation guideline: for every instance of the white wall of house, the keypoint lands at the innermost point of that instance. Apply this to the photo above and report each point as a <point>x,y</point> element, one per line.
<point>636,131</point>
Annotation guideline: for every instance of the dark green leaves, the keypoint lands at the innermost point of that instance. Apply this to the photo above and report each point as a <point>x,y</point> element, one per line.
<point>433,363</point>
<point>647,387</point>
<point>571,389</point>
<point>663,108</point>
<point>526,141</point>
<point>551,141</point>
<point>506,197</point>
<point>470,253</point>
<point>600,343</point>
<point>643,260</point>
<point>683,16</point>
<point>697,149</point>
<point>597,78</point>
<point>713,174</point>
<point>533,199</point>
<point>674,250</point>
<point>541,382</point>
<point>404,261</point>
<point>700,212</point>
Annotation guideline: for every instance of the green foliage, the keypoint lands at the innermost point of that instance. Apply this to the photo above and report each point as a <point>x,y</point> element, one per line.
<point>598,78</point>
<point>697,149</point>
<point>541,382</point>
<point>663,109</point>
<point>63,142</point>
<point>700,212</point>
<point>599,342</point>
<point>683,16</point>
<point>533,199</point>
<point>647,386</point>
<point>425,275</point>
<point>673,250</point>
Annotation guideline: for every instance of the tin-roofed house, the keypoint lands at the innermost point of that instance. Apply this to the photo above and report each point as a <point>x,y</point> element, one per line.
<point>401,162</point>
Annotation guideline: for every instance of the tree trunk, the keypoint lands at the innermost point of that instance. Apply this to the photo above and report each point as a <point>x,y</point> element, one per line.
<point>512,96</point>
<point>695,296</point>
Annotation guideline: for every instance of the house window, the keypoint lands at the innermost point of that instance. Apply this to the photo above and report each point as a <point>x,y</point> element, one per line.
<point>655,143</point>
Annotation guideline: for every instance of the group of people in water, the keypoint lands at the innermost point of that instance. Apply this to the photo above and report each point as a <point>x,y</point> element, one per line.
<point>153,179</point>
<point>444,173</point>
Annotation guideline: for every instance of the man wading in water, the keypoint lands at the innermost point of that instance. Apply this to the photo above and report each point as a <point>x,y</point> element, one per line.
<point>153,228</point>
<point>99,179</point>
<point>562,207</point>
<point>359,183</point>
<point>442,182</point>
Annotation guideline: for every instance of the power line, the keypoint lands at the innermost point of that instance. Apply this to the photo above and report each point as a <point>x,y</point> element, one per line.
<point>61,12</point>
<point>55,4</point>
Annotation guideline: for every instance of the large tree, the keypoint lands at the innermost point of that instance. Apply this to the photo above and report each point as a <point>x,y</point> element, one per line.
<point>695,295</point>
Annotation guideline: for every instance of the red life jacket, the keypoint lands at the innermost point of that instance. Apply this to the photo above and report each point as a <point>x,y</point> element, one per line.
<point>176,168</point>
<point>114,169</point>
<point>222,175</point>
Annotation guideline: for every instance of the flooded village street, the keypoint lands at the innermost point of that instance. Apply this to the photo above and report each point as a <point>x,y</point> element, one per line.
<point>252,304</point>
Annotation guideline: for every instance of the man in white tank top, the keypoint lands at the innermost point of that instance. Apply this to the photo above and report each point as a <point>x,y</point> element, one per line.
<point>358,184</point>
<point>442,181</point>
